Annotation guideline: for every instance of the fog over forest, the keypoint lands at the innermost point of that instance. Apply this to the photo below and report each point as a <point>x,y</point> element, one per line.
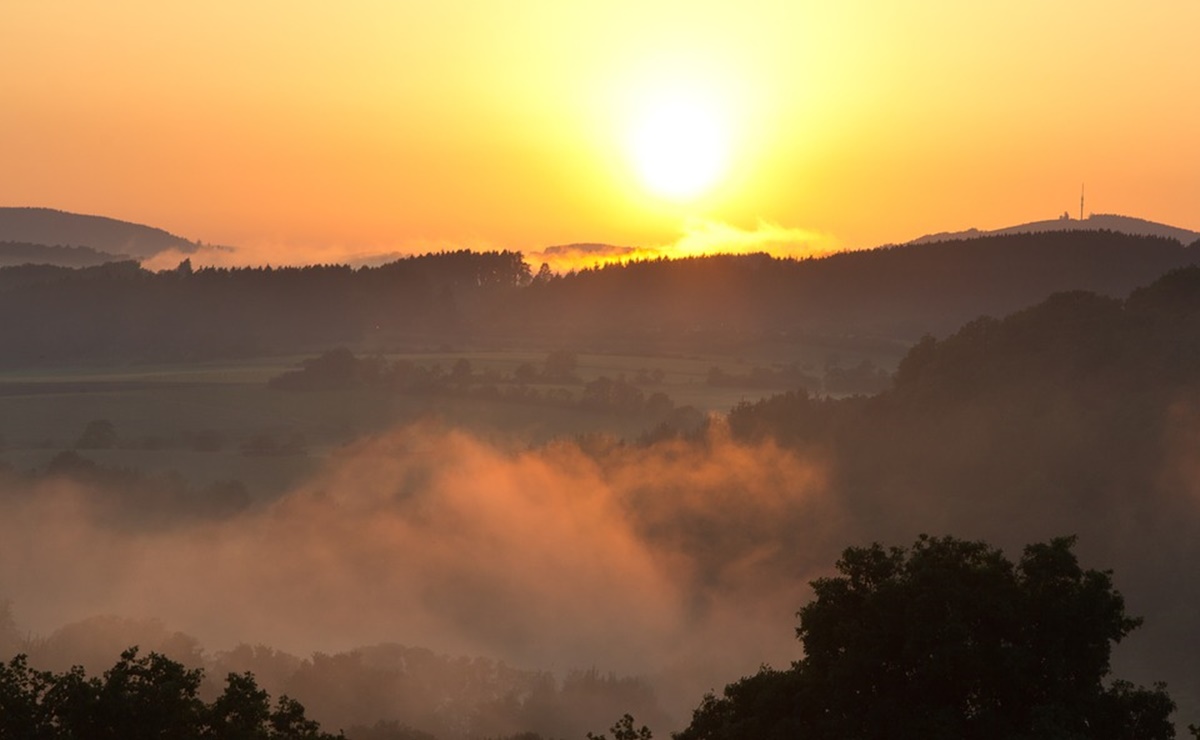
<point>465,578</point>
<point>674,560</point>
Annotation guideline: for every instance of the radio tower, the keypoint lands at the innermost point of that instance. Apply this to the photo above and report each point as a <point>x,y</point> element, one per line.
<point>1081,201</point>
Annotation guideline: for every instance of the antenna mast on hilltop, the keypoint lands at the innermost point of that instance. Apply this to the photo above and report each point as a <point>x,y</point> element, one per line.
<point>1081,201</point>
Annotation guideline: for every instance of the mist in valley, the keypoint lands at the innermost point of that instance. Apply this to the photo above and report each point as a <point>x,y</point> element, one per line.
<point>642,576</point>
<point>680,563</point>
<point>497,559</point>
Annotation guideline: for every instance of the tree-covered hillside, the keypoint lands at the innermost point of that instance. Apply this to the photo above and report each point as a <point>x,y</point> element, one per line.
<point>51,227</point>
<point>1078,415</point>
<point>894,294</point>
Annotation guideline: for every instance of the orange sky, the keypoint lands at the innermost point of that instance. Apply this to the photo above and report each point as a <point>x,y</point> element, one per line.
<point>315,130</point>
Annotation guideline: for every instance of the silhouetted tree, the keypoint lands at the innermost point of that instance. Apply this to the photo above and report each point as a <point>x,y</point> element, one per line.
<point>460,372</point>
<point>141,697</point>
<point>337,368</point>
<point>948,639</point>
<point>624,730</point>
<point>560,366</point>
<point>607,394</point>
<point>525,373</point>
<point>99,434</point>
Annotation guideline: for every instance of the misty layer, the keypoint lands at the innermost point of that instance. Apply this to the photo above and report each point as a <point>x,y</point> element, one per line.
<point>683,560</point>
<point>698,238</point>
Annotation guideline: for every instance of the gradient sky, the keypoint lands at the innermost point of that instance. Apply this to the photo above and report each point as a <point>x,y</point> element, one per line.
<point>305,130</point>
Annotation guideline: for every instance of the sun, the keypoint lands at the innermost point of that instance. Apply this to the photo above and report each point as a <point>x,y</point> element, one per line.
<point>679,146</point>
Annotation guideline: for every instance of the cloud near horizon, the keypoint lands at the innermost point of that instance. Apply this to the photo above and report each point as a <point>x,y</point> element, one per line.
<point>278,254</point>
<point>697,237</point>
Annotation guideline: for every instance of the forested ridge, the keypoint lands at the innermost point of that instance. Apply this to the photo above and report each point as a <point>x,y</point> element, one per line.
<point>121,311</point>
<point>1079,414</point>
<point>26,253</point>
<point>46,692</point>
<point>896,291</point>
<point>48,226</point>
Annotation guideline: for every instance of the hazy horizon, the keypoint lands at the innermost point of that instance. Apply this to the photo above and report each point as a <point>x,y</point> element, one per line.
<point>699,239</point>
<point>332,132</point>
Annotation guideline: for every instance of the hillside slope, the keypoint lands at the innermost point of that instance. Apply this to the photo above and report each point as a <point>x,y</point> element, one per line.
<point>898,292</point>
<point>1094,222</point>
<point>886,297</point>
<point>59,228</point>
<point>1078,415</point>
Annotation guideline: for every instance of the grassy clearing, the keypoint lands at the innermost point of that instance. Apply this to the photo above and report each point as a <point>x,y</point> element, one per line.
<point>159,411</point>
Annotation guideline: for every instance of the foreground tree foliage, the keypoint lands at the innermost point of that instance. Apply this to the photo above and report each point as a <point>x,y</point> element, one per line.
<point>141,697</point>
<point>949,639</point>
<point>624,730</point>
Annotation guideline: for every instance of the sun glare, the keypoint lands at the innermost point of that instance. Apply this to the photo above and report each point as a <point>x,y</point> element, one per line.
<point>679,148</point>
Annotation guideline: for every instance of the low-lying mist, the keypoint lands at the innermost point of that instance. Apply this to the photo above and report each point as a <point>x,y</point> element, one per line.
<point>695,238</point>
<point>680,562</point>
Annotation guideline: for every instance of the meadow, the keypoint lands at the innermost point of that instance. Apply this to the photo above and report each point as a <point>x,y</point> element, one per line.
<point>216,421</point>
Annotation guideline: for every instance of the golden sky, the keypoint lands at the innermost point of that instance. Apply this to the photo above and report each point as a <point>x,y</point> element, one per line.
<point>319,130</point>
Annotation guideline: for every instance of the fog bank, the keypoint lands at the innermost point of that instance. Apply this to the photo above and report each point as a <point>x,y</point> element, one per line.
<point>685,563</point>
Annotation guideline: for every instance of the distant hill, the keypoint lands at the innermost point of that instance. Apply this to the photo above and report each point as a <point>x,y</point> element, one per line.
<point>22,253</point>
<point>899,292</point>
<point>1077,414</point>
<point>50,227</point>
<point>887,297</point>
<point>1094,222</point>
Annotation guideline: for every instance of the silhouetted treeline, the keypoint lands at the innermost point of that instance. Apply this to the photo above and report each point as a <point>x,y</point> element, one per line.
<point>1079,414</point>
<point>341,369</point>
<point>126,499</point>
<point>36,276</point>
<point>381,691</point>
<point>899,291</point>
<point>453,698</point>
<point>24,253</point>
<point>150,696</point>
<point>50,226</point>
<point>119,311</point>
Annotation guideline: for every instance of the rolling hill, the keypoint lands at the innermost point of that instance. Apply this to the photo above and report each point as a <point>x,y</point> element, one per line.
<point>1094,222</point>
<point>49,227</point>
<point>23,253</point>
<point>889,296</point>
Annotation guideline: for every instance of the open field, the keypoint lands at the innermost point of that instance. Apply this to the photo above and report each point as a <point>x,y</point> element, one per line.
<point>198,420</point>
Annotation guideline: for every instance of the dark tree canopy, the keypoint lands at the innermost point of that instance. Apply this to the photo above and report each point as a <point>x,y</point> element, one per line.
<point>141,697</point>
<point>949,639</point>
<point>624,729</point>
<point>99,434</point>
<point>119,311</point>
